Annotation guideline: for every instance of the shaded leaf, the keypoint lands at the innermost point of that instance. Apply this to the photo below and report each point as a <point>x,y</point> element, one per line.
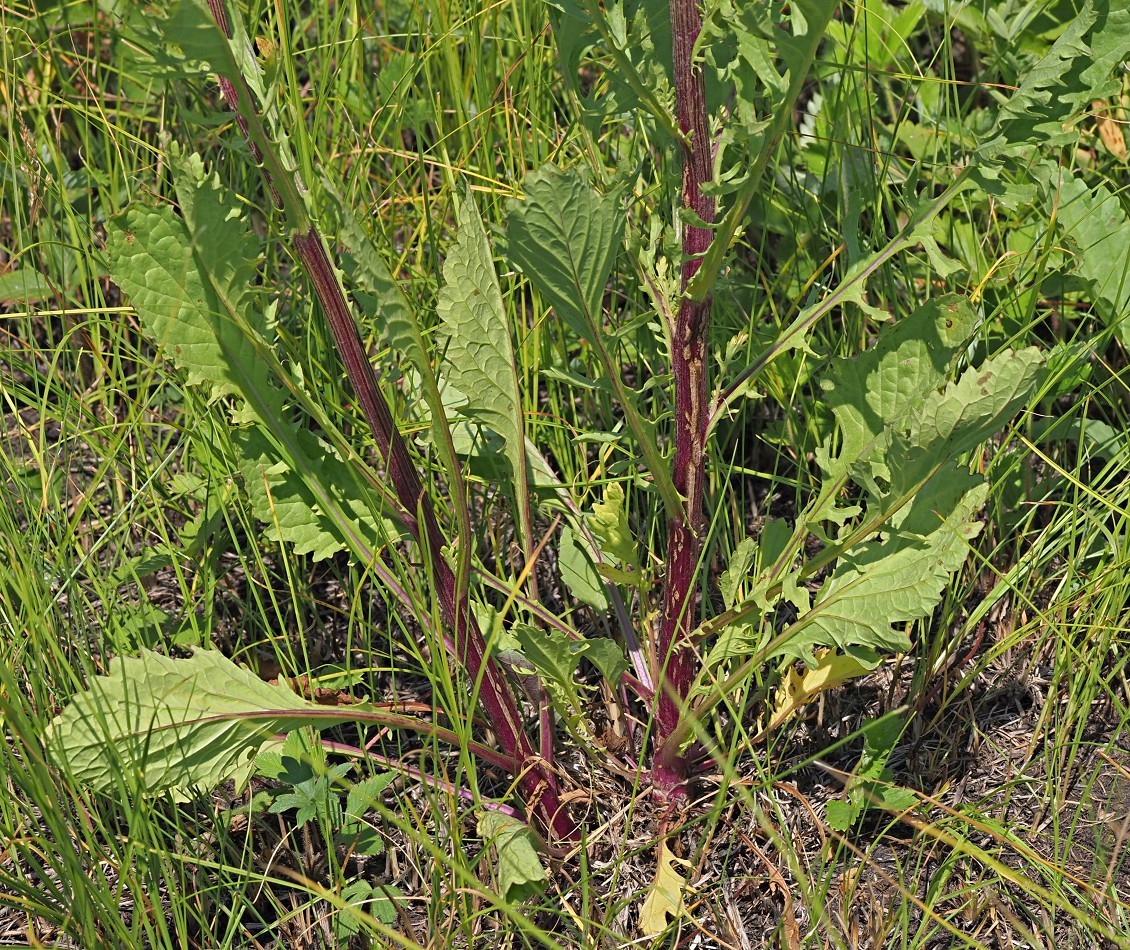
<point>899,576</point>
<point>578,571</point>
<point>520,871</point>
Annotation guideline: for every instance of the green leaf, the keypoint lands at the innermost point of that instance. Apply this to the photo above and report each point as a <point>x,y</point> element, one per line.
<point>751,558</point>
<point>480,353</point>
<point>190,279</point>
<point>378,901</point>
<point>177,725</point>
<point>167,273</point>
<point>23,285</point>
<point>565,237</point>
<point>1096,228</point>
<point>1058,90</point>
<point>608,657</point>
<point>556,657</point>
<point>609,524</point>
<point>313,799</point>
<point>329,509</point>
<point>897,577</point>
<point>872,393</point>
<point>871,783</point>
<point>578,571</point>
<point>520,872</point>
<point>962,416</point>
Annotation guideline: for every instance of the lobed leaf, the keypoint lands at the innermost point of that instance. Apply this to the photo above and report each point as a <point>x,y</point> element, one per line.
<point>897,577</point>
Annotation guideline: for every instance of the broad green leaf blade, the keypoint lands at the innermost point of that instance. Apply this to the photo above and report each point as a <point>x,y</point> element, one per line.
<point>891,580</point>
<point>1096,227</point>
<point>578,571</point>
<point>520,871</point>
<point>155,261</point>
<point>554,655</point>
<point>962,416</point>
<point>565,238</point>
<point>314,500</point>
<point>872,393</point>
<point>191,287</point>
<point>480,353</point>
<point>174,725</point>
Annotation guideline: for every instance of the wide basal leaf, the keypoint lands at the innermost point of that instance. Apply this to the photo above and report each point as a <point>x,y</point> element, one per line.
<point>188,298</point>
<point>315,500</point>
<point>899,576</point>
<point>480,359</point>
<point>961,417</point>
<point>177,725</point>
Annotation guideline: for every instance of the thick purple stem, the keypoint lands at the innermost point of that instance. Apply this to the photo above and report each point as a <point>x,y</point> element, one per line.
<point>538,782</point>
<point>688,358</point>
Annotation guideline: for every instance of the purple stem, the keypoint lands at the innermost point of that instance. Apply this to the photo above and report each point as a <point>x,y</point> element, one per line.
<point>688,358</point>
<point>538,782</point>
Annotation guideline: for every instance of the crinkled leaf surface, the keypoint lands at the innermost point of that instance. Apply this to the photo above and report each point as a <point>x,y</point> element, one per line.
<point>173,725</point>
<point>479,356</point>
<point>897,577</point>
<point>962,416</point>
<point>520,871</point>
<point>871,393</point>
<point>190,279</point>
<point>166,271</point>
<point>1059,88</point>
<point>565,238</point>
<point>328,510</point>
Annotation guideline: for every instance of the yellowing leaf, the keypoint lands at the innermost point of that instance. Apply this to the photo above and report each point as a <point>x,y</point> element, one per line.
<point>665,897</point>
<point>797,688</point>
